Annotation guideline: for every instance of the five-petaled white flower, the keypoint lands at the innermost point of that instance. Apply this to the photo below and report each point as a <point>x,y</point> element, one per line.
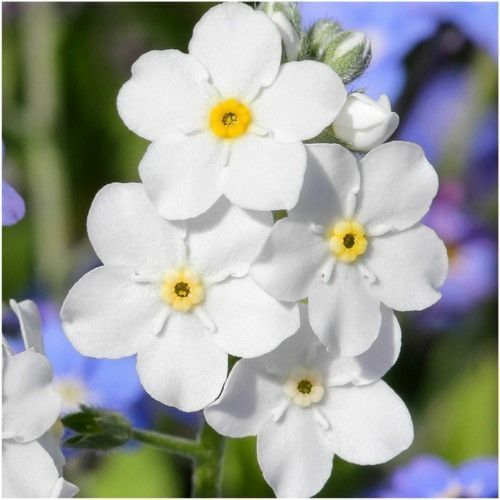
<point>227,118</point>
<point>177,294</point>
<point>354,241</point>
<point>305,405</point>
<point>32,461</point>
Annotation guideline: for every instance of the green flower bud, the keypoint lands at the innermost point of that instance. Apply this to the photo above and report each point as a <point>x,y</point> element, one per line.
<point>286,17</point>
<point>321,36</point>
<point>348,54</point>
<point>96,429</point>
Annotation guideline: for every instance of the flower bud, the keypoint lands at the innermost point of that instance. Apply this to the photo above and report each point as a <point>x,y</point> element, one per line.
<point>321,35</point>
<point>348,54</point>
<point>96,429</point>
<point>286,17</point>
<point>364,123</point>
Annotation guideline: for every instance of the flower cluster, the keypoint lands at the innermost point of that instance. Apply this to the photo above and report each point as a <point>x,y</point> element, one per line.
<point>31,431</point>
<point>194,270</point>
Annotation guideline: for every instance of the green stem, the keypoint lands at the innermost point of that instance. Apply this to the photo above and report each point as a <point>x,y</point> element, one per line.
<point>178,446</point>
<point>47,202</point>
<point>207,470</point>
<point>206,452</point>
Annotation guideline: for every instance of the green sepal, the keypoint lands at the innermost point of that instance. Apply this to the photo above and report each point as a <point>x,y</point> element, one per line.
<point>96,429</point>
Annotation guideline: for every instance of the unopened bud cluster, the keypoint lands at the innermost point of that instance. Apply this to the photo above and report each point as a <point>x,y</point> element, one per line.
<point>348,53</point>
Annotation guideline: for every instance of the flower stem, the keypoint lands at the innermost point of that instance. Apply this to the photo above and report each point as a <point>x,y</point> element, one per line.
<point>178,446</point>
<point>47,204</point>
<point>207,470</point>
<point>206,452</point>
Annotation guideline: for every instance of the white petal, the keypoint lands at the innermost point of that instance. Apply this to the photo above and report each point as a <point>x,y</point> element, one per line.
<point>344,315</point>
<point>398,185</point>
<point>31,325</point>
<point>31,404</point>
<point>372,364</point>
<point>304,99</point>
<point>410,266</point>
<point>108,315</point>
<point>182,366</point>
<point>369,424</point>
<point>293,454</point>
<point>249,321</point>
<point>300,349</point>
<point>64,489</point>
<point>226,239</point>
<point>27,471</point>
<point>168,91</point>
<point>183,175</point>
<point>51,443</point>
<point>289,35</point>
<point>125,229</point>
<point>330,184</point>
<point>246,402</point>
<point>264,175</point>
<point>240,48</point>
<point>291,260</point>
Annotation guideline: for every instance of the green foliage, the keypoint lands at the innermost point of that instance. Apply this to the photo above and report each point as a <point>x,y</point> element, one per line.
<point>143,473</point>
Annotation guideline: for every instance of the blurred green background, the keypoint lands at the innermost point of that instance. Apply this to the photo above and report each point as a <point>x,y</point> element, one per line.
<point>63,64</point>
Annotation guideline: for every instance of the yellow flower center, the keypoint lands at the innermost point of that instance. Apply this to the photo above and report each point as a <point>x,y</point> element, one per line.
<point>230,119</point>
<point>347,240</point>
<point>182,289</point>
<point>304,387</point>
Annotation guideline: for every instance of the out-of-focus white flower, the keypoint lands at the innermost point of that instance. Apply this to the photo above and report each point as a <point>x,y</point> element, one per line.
<point>177,294</point>
<point>305,405</point>
<point>364,123</point>
<point>227,118</point>
<point>354,241</point>
<point>32,461</point>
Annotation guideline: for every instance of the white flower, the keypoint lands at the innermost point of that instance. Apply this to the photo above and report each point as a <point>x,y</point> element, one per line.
<point>32,461</point>
<point>349,247</point>
<point>180,305</point>
<point>227,118</point>
<point>364,123</point>
<point>305,405</point>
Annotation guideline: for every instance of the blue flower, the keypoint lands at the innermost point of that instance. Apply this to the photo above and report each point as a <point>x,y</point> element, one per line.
<point>442,99</point>
<point>395,28</point>
<point>472,255</point>
<point>112,384</point>
<point>428,476</point>
<point>108,383</point>
<point>12,205</point>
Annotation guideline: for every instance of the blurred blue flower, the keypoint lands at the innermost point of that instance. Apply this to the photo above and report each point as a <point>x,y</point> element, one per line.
<point>482,174</point>
<point>109,383</point>
<point>428,476</point>
<point>390,43</point>
<point>472,251</point>
<point>477,20</point>
<point>112,384</point>
<point>12,205</point>
<point>442,99</point>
